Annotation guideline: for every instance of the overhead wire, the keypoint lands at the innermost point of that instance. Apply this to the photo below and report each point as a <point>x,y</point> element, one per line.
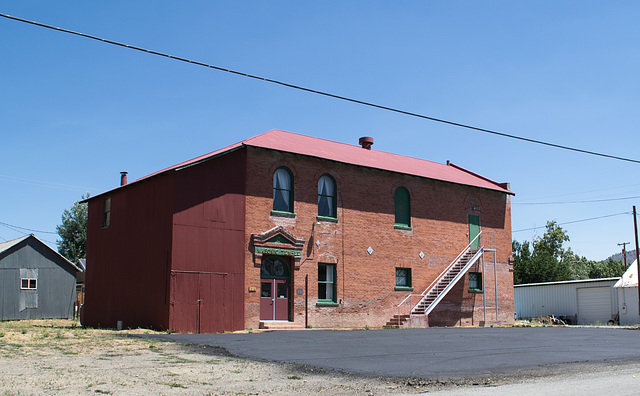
<point>20,229</point>
<point>584,192</point>
<point>575,202</point>
<point>22,180</point>
<point>323,93</point>
<point>574,221</point>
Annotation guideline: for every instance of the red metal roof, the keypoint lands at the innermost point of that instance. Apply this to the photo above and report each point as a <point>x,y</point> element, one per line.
<point>356,155</point>
<point>351,154</point>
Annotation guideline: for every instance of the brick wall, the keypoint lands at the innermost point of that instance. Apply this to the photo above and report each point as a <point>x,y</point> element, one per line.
<point>366,282</point>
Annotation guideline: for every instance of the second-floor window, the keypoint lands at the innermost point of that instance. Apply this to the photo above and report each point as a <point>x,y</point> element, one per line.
<point>283,190</point>
<point>402,208</point>
<point>326,196</point>
<point>106,212</point>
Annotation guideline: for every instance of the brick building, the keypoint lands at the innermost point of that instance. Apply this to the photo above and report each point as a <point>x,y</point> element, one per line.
<point>286,229</point>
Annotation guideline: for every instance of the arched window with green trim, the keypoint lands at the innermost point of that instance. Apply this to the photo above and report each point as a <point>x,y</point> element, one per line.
<point>327,196</point>
<point>402,208</point>
<point>274,267</point>
<point>283,190</point>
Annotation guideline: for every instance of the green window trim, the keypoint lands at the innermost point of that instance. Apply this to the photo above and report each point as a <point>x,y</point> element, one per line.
<point>403,278</point>
<point>327,197</point>
<point>280,213</point>
<point>327,283</point>
<point>403,288</point>
<point>327,218</point>
<point>326,303</point>
<point>283,190</point>
<point>475,282</point>
<point>274,267</point>
<point>402,227</point>
<point>402,202</point>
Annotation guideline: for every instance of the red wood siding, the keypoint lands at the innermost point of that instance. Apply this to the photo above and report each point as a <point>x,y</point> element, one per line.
<point>128,262</point>
<point>208,240</point>
<point>174,239</point>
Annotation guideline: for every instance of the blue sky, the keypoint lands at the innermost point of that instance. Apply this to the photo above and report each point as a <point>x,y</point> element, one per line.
<point>75,112</point>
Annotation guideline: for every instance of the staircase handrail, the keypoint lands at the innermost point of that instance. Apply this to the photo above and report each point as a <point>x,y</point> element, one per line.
<point>443,273</point>
<point>455,280</point>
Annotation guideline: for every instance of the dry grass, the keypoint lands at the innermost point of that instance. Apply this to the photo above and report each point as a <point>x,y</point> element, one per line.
<point>60,357</point>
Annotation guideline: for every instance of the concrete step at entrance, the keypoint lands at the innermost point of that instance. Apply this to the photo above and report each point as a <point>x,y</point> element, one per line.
<point>280,325</point>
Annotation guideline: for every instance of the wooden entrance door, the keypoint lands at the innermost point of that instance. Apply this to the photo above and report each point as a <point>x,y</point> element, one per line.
<point>274,299</point>
<point>275,285</point>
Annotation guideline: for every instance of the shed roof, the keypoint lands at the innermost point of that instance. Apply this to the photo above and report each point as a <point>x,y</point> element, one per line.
<point>4,246</point>
<point>630,277</point>
<point>349,154</point>
<point>8,244</point>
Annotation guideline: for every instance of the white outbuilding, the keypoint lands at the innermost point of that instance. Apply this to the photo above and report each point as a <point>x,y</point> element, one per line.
<point>587,301</point>
<point>627,288</point>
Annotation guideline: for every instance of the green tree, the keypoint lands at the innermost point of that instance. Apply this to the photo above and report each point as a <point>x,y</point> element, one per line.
<point>549,261</point>
<point>606,269</point>
<point>73,232</point>
<point>545,262</point>
<point>578,266</point>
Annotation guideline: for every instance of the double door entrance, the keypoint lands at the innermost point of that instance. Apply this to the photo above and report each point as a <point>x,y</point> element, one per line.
<point>275,286</point>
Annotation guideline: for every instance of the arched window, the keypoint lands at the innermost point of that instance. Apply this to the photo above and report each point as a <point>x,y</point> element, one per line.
<point>274,267</point>
<point>326,196</point>
<point>283,190</point>
<point>403,208</point>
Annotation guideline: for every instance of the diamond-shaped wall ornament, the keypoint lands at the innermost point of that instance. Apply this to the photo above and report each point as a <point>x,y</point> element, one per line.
<point>370,250</point>
<point>421,255</point>
<point>317,243</point>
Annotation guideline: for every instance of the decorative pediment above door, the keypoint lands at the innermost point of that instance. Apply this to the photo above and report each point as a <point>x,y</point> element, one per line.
<point>278,242</point>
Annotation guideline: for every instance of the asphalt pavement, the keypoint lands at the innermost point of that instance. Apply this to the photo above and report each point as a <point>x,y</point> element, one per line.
<point>433,352</point>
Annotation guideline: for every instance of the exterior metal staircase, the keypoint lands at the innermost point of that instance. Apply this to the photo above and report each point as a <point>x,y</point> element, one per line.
<point>439,288</point>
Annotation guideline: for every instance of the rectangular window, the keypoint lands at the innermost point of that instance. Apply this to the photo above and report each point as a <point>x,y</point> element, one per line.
<point>403,277</point>
<point>327,283</point>
<point>106,212</point>
<point>475,281</point>
<point>28,284</point>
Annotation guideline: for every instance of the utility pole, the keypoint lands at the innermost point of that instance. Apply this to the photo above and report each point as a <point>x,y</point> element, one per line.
<point>624,252</point>
<point>635,233</point>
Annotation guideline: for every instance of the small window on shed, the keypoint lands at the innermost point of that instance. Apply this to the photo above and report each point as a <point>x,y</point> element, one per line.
<point>106,212</point>
<point>28,284</point>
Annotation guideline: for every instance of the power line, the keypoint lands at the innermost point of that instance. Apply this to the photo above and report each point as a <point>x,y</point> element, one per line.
<point>575,202</point>
<point>575,221</point>
<point>16,228</point>
<point>331,95</point>
<point>585,192</point>
<point>22,180</point>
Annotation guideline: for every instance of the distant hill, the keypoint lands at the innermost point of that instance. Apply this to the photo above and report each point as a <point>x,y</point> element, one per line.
<point>631,256</point>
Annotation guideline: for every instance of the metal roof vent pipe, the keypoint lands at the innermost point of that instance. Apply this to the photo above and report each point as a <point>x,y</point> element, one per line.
<point>366,142</point>
<point>123,178</point>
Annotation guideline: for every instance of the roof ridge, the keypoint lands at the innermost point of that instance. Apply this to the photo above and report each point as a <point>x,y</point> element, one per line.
<point>477,175</point>
<point>336,142</point>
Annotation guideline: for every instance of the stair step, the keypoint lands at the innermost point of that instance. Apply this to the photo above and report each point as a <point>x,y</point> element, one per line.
<point>280,325</point>
<point>445,281</point>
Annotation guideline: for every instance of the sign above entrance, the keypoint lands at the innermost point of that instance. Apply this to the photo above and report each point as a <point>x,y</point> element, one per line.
<point>277,242</point>
<point>278,251</point>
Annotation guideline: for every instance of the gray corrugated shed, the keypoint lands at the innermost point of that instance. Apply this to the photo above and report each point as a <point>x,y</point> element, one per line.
<point>49,291</point>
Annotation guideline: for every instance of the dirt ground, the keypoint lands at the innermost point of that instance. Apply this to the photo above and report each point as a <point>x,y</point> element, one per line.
<point>60,357</point>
